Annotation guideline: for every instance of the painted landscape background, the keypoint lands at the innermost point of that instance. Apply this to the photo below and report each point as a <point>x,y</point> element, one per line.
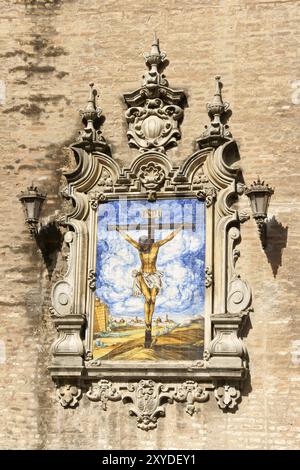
<point>178,317</point>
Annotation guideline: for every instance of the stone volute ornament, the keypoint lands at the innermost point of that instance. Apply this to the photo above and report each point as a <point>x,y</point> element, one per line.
<point>155,110</point>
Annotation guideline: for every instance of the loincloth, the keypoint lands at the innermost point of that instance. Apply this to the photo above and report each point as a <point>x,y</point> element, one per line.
<point>152,280</point>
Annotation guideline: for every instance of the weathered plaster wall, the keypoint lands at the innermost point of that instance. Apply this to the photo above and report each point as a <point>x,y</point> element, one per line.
<point>50,50</point>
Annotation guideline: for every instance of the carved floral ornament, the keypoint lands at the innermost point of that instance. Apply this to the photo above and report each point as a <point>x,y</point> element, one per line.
<point>152,176</point>
<point>210,174</point>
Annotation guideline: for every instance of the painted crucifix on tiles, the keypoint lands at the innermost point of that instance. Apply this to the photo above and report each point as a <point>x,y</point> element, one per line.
<point>150,280</point>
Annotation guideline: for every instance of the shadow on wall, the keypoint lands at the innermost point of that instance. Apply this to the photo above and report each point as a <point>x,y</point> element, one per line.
<point>49,240</point>
<point>276,241</point>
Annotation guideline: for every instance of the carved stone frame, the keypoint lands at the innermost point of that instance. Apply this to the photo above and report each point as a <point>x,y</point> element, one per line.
<point>210,174</point>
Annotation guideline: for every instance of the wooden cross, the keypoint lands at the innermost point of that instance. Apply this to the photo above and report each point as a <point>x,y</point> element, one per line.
<point>150,215</point>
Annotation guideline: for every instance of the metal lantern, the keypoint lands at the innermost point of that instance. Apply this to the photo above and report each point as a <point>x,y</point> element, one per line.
<point>259,195</point>
<point>32,201</point>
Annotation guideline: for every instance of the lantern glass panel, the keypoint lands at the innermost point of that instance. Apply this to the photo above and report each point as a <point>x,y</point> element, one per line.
<point>261,202</point>
<point>31,208</point>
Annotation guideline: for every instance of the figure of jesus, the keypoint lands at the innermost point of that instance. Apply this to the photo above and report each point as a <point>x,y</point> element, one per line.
<point>147,280</point>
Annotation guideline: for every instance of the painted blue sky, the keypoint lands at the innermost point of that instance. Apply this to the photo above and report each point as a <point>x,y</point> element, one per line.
<point>181,260</point>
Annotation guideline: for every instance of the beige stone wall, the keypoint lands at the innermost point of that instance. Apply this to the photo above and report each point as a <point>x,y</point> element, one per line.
<point>50,50</point>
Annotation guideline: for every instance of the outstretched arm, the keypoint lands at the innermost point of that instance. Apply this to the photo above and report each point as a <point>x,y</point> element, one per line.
<point>128,238</point>
<point>169,237</point>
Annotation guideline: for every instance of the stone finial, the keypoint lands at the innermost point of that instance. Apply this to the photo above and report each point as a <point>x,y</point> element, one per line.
<point>91,112</point>
<point>218,111</point>
<point>217,107</point>
<point>154,60</point>
<point>155,56</point>
<point>91,137</point>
